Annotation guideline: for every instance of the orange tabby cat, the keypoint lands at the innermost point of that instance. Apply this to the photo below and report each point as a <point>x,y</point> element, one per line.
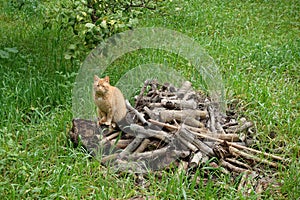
<point>109,100</point>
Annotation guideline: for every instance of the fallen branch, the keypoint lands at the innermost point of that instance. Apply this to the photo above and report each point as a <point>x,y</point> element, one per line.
<point>236,152</point>
<point>232,167</point>
<point>139,115</point>
<point>131,147</point>
<point>143,146</point>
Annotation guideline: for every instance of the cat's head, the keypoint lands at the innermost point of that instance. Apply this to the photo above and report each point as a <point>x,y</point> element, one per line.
<point>101,85</point>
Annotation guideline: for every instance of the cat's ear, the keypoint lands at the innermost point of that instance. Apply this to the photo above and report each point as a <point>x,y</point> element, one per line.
<point>106,78</point>
<point>96,78</point>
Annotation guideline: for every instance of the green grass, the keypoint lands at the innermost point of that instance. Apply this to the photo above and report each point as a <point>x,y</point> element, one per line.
<point>256,45</point>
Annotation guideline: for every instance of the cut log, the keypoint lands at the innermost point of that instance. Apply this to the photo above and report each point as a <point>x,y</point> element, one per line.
<point>178,104</point>
<point>182,115</point>
<point>186,86</point>
<point>196,159</point>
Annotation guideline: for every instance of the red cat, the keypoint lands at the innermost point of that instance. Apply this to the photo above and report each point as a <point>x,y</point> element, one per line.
<point>109,100</point>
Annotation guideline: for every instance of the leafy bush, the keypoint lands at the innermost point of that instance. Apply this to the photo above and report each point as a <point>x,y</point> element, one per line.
<point>92,21</point>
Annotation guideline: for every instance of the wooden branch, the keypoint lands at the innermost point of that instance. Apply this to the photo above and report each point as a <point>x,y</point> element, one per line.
<point>109,158</point>
<point>192,139</point>
<point>236,152</point>
<point>234,161</point>
<point>153,105</point>
<point>138,99</point>
<point>143,146</point>
<point>121,143</point>
<point>220,128</point>
<point>161,124</point>
<point>212,124</point>
<point>232,167</point>
<point>112,136</point>
<point>186,143</point>
<point>240,146</point>
<point>225,137</point>
<point>139,115</point>
<point>158,152</point>
<point>131,147</point>
<point>147,133</point>
<point>181,115</point>
<point>151,114</point>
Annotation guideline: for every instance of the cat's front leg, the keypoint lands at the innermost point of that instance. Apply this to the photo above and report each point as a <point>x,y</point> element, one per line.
<point>109,117</point>
<point>102,116</point>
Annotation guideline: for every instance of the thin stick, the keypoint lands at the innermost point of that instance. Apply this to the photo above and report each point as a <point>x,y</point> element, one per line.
<point>163,124</point>
<point>238,162</point>
<point>112,136</point>
<point>212,119</point>
<point>146,83</point>
<point>186,143</point>
<point>139,115</point>
<point>131,147</point>
<point>251,157</point>
<point>143,146</point>
<point>232,167</point>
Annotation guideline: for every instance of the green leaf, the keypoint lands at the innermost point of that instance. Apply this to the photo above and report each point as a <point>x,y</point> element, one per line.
<point>89,25</point>
<point>11,50</point>
<point>4,54</point>
<point>68,56</point>
<point>72,47</point>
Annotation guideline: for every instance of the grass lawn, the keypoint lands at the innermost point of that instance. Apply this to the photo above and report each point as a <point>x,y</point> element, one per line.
<point>256,44</point>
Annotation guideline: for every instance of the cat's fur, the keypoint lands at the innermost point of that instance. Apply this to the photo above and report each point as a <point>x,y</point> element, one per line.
<point>109,100</point>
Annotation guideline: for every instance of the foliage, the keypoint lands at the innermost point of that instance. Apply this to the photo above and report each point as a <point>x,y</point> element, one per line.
<point>92,21</point>
<point>255,43</point>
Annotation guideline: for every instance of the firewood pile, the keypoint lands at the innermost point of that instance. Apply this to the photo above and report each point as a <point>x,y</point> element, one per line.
<point>175,126</point>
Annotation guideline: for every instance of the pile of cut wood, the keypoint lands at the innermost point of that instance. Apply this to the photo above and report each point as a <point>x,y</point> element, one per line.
<point>170,125</point>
